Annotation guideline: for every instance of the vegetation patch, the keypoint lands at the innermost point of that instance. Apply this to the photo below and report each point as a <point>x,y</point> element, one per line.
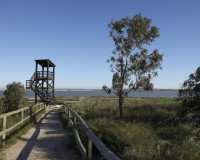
<point>151,128</point>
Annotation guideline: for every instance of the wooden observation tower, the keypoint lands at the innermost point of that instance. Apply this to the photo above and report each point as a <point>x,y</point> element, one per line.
<point>42,81</point>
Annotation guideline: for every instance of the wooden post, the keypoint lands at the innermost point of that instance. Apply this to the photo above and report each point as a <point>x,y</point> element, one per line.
<point>89,149</point>
<point>36,68</point>
<point>53,85</point>
<point>42,79</point>
<point>31,111</point>
<point>63,108</point>
<point>48,82</point>
<point>4,128</point>
<point>68,115</point>
<point>22,116</point>
<point>74,121</point>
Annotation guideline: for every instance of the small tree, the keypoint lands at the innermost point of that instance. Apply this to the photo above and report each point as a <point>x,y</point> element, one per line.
<point>13,94</point>
<point>131,64</point>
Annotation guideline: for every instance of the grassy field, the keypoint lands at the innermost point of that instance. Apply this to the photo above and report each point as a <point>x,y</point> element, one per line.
<point>151,129</point>
<point>60,100</point>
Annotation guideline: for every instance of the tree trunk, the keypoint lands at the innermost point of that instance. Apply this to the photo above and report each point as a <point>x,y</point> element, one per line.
<point>120,107</point>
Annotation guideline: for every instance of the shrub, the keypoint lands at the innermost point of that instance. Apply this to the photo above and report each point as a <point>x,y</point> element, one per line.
<point>13,94</point>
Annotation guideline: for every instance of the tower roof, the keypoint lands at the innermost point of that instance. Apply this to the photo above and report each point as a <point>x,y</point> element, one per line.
<point>44,62</point>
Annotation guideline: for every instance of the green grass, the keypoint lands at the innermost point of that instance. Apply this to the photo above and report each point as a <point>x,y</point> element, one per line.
<point>60,100</point>
<point>151,128</point>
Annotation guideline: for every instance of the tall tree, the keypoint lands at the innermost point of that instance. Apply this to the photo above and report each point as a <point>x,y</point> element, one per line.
<point>131,64</point>
<point>13,94</point>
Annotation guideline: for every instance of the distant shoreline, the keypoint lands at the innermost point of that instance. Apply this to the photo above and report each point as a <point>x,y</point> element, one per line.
<point>85,90</point>
<point>101,89</point>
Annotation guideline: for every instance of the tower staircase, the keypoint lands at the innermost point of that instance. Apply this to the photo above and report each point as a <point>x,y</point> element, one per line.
<point>42,83</point>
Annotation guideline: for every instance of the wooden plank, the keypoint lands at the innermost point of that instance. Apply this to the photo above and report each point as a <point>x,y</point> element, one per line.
<point>79,144</point>
<point>9,129</point>
<point>107,153</point>
<point>15,112</point>
<point>4,131</point>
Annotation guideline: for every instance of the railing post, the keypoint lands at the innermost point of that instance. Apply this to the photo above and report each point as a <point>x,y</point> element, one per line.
<point>74,122</point>
<point>4,128</point>
<point>89,149</point>
<point>22,116</point>
<point>31,111</point>
<point>68,115</point>
<point>63,108</point>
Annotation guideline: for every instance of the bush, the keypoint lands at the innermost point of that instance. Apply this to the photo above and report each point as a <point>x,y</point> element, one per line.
<point>190,92</point>
<point>13,94</point>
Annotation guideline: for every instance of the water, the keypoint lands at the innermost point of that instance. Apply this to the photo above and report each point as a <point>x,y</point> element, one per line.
<point>88,93</point>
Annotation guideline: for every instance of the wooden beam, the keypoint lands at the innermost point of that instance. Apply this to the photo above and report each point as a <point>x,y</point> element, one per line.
<point>89,149</point>
<point>36,69</point>
<point>92,138</point>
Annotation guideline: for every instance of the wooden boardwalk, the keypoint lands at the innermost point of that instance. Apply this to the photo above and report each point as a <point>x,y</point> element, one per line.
<point>48,140</point>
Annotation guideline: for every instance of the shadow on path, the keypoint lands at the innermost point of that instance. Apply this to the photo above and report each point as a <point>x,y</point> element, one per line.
<point>31,142</point>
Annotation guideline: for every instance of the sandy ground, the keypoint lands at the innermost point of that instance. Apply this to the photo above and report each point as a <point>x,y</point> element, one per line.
<point>48,140</point>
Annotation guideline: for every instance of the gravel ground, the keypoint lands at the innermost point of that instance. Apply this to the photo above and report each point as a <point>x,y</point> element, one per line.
<point>48,140</point>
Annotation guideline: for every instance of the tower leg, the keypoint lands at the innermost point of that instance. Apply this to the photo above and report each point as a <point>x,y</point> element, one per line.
<point>35,97</point>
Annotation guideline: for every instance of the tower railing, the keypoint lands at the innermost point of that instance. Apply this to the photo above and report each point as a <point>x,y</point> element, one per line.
<point>29,84</point>
<point>44,75</point>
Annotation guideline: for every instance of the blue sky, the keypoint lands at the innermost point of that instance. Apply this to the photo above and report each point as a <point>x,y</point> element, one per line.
<point>75,36</point>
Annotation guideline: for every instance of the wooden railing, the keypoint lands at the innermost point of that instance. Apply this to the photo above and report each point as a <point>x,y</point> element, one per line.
<point>92,138</point>
<point>5,129</point>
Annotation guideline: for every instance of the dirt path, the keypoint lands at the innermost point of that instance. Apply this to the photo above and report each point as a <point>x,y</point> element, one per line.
<point>48,140</point>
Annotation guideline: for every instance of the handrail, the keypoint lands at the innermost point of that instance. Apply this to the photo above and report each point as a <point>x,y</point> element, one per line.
<point>43,74</point>
<point>92,138</point>
<point>5,130</point>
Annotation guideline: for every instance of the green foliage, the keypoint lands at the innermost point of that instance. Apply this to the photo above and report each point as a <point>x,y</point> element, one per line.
<point>191,87</point>
<point>13,94</point>
<point>190,92</point>
<point>151,128</point>
<point>131,64</point>
<point>1,106</point>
